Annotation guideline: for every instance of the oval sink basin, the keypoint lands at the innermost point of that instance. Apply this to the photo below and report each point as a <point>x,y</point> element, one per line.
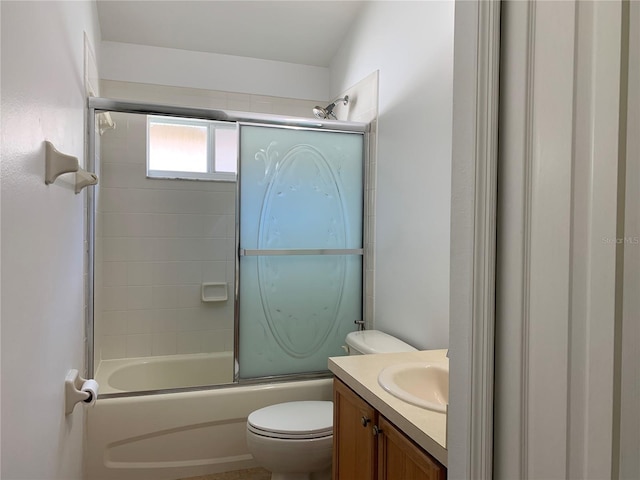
<point>422,384</point>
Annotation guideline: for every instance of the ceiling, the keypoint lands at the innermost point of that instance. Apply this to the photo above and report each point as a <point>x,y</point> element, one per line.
<point>307,32</point>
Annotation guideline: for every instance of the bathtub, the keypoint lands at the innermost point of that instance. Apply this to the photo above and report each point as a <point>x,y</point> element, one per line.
<point>177,435</point>
<point>164,373</point>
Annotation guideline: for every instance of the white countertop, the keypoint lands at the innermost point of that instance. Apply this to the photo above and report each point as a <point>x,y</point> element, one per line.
<point>425,427</point>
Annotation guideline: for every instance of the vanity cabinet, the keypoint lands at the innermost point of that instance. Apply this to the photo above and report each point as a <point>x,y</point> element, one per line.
<point>366,446</point>
<point>354,446</point>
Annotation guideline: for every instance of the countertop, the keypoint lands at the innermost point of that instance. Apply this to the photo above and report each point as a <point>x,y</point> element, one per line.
<point>425,427</point>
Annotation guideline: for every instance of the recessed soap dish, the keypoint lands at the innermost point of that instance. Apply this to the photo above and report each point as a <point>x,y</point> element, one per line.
<point>214,292</point>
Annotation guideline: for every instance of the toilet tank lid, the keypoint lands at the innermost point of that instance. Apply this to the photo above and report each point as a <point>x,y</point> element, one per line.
<point>375,341</point>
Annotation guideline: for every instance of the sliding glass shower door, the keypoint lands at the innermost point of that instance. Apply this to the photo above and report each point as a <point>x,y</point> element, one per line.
<point>301,247</point>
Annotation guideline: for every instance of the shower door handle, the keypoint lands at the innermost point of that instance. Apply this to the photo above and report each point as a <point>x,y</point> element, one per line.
<point>245,252</point>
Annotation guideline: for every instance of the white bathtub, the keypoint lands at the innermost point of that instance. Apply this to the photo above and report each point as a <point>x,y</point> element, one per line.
<point>163,373</point>
<point>177,435</point>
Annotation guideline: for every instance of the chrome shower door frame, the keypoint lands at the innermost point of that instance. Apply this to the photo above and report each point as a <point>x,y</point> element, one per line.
<point>98,105</point>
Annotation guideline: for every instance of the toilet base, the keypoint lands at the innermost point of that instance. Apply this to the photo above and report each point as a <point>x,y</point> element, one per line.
<point>306,459</point>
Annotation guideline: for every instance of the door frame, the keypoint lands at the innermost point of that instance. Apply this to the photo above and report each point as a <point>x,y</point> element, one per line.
<point>473,234</point>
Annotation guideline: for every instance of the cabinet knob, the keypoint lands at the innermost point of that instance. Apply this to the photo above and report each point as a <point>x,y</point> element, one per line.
<point>376,430</point>
<point>364,421</point>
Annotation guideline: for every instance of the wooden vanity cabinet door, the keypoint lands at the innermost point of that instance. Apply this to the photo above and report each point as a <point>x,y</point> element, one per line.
<point>354,445</point>
<point>399,458</point>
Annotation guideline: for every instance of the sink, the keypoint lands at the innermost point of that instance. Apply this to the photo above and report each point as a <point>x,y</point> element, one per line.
<point>422,384</point>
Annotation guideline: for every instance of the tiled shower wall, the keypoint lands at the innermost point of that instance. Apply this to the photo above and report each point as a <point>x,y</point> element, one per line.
<point>159,240</point>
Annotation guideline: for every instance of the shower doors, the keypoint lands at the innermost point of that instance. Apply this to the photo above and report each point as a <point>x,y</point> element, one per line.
<point>301,247</point>
<point>284,240</point>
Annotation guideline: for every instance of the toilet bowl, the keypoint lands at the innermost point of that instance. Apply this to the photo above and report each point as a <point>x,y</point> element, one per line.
<point>294,440</point>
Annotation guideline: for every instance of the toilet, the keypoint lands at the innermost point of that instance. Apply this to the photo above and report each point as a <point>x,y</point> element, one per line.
<point>293,440</point>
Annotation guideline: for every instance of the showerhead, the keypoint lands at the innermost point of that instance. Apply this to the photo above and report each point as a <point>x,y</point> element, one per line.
<point>320,112</point>
<point>327,112</point>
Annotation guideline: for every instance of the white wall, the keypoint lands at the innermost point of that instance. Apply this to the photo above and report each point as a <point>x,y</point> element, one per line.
<point>204,98</point>
<point>411,44</point>
<point>43,98</point>
<point>182,68</point>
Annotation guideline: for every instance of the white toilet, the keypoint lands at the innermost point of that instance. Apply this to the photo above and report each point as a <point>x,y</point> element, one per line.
<point>294,440</point>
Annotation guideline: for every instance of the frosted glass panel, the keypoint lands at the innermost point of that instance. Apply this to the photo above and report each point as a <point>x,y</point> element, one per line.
<point>299,190</point>
<point>296,311</point>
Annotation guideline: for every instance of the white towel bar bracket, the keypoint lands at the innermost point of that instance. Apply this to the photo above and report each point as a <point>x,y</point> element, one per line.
<point>57,163</point>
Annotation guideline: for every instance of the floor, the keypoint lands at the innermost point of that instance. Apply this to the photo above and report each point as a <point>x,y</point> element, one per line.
<point>250,474</point>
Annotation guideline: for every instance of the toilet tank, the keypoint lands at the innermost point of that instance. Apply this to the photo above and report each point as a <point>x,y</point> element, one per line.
<point>374,341</point>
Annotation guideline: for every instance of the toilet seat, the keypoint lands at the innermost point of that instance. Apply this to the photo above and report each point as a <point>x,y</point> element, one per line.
<point>293,420</point>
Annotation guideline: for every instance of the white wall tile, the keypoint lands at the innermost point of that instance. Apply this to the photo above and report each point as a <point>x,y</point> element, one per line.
<point>113,151</point>
<point>190,272</point>
<point>164,344</point>
<point>128,224</point>
<point>140,321</point>
<point>139,298</point>
<point>165,296</point>
<point>165,320</point>
<point>188,342</point>
<point>166,225</point>
<point>228,336</point>
<point>189,296</point>
<point>115,249</point>
<point>231,274</point>
<point>114,322</point>
<point>202,225</point>
<point>113,298</point>
<point>141,249</point>
<point>114,274</point>
<point>165,273</point>
<point>219,202</point>
<point>186,320</point>
<point>112,346</point>
<point>138,345</point>
<point>214,271</point>
<point>142,200</point>
<point>114,199</point>
<point>231,226</point>
<point>140,273</point>
<point>230,249</point>
<point>212,341</point>
<point>215,249</point>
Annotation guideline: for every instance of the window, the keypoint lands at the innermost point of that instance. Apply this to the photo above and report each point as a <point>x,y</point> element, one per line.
<point>191,149</point>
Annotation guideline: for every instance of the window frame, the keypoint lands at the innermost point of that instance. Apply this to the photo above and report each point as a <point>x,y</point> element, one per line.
<point>211,174</point>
